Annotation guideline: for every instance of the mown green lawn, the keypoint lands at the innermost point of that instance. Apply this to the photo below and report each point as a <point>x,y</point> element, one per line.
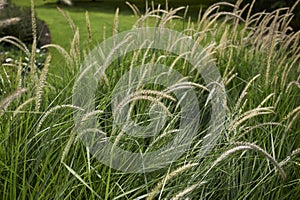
<point>99,15</point>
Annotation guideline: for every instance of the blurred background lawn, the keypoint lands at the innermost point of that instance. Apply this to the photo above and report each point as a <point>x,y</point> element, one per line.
<point>102,13</point>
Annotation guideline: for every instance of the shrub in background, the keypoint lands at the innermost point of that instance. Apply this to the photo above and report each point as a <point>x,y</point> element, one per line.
<point>22,28</point>
<point>17,22</point>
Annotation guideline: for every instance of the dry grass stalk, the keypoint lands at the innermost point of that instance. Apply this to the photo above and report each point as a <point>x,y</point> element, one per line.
<point>88,25</point>
<point>95,112</point>
<point>133,98</point>
<point>223,43</point>
<point>41,84</point>
<point>62,51</point>
<point>188,190</point>
<point>248,17</point>
<point>271,47</point>
<point>104,35</point>
<point>248,146</point>
<point>287,69</point>
<point>89,130</point>
<point>170,16</point>
<point>267,155</point>
<point>75,51</point>
<point>19,78</point>
<point>146,54</point>
<point>244,93</point>
<point>68,145</point>
<point>296,116</point>
<point>185,85</point>
<point>174,131</point>
<point>9,22</point>
<point>7,76</point>
<point>66,2</point>
<point>288,158</point>
<point>250,128</point>
<point>116,23</point>
<point>291,42</point>
<point>16,42</point>
<point>293,112</point>
<point>248,115</point>
<point>292,116</point>
<point>140,22</point>
<point>46,114</point>
<point>34,43</point>
<point>224,155</point>
<point>265,100</point>
<point>168,177</point>
<point>229,79</point>
<point>294,6</point>
<point>69,19</point>
<point>226,72</point>
<point>18,110</point>
<point>296,83</point>
<point>9,99</point>
<point>278,71</point>
<point>135,9</point>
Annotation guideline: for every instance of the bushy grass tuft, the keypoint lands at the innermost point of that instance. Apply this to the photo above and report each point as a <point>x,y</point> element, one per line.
<point>256,157</point>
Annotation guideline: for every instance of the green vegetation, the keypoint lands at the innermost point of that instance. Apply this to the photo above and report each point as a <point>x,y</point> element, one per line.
<point>101,15</point>
<point>256,157</point>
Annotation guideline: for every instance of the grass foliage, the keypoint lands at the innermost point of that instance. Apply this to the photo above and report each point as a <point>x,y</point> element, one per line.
<point>257,156</point>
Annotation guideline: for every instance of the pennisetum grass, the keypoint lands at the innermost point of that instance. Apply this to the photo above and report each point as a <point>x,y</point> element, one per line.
<point>247,146</point>
<point>187,190</point>
<point>34,43</point>
<point>116,22</point>
<point>68,18</point>
<point>41,84</point>
<point>157,189</point>
<point>53,110</point>
<point>18,109</point>
<point>19,78</point>
<point>258,57</point>
<point>88,25</point>
<point>244,93</point>
<point>62,51</point>
<point>16,42</point>
<point>4,104</point>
